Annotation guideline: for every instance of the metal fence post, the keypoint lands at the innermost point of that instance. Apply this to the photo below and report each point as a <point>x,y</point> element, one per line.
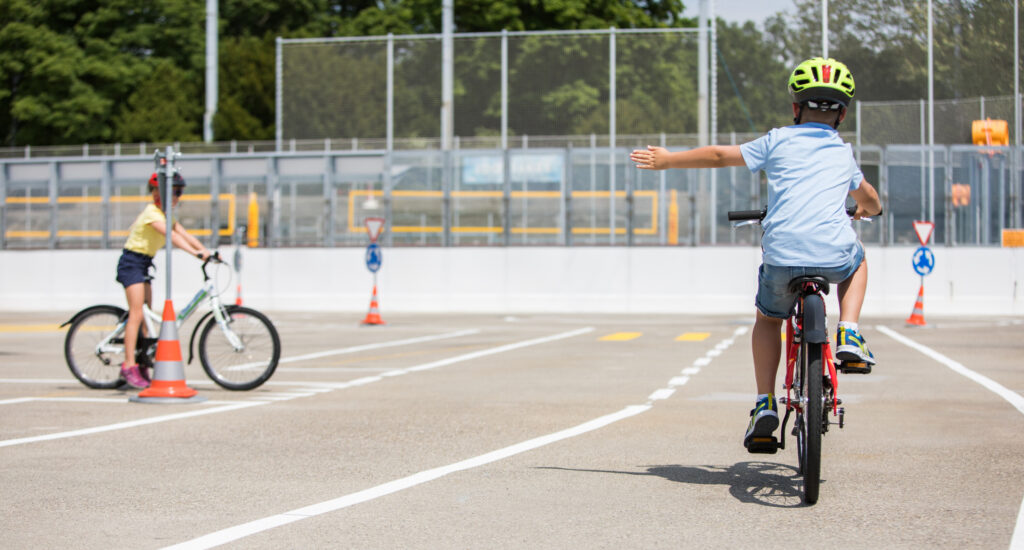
<point>214,239</point>
<point>278,96</point>
<point>106,175</point>
<point>52,189</point>
<point>611,136</point>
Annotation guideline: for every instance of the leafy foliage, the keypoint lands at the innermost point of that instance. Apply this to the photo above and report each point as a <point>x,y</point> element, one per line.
<point>81,71</point>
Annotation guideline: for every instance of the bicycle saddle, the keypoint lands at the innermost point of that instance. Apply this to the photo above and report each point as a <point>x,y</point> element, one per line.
<point>797,283</point>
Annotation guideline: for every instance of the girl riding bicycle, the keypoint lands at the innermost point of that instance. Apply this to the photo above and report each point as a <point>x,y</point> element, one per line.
<point>145,238</point>
<point>810,171</point>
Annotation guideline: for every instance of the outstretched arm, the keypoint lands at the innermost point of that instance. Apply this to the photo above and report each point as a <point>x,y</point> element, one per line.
<point>710,156</point>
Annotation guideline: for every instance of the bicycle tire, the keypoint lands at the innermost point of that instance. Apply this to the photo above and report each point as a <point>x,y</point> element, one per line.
<point>96,369</point>
<point>813,399</point>
<point>246,369</point>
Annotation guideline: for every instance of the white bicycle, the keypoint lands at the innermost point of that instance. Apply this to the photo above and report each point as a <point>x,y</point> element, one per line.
<point>238,346</point>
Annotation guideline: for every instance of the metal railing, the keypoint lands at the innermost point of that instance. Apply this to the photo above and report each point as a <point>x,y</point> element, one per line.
<point>571,195</point>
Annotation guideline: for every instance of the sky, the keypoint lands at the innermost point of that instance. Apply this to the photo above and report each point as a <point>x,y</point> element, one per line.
<point>738,11</point>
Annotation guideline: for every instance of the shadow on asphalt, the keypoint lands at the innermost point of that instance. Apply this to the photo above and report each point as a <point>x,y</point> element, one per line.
<point>764,483</point>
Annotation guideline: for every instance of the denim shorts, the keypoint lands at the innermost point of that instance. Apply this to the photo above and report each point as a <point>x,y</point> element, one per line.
<point>774,298</point>
<point>133,268</point>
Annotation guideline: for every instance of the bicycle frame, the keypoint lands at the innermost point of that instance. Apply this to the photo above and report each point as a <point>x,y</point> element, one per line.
<point>794,332</point>
<point>152,319</point>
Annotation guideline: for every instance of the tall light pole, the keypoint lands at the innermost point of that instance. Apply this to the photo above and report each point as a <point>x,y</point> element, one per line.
<point>211,70</point>
<point>447,62</point>
<point>824,28</point>
<point>931,122</point>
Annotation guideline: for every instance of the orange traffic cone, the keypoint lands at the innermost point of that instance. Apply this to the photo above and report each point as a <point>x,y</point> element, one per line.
<point>373,316</point>
<point>917,316</point>
<point>168,385</point>
<point>238,294</point>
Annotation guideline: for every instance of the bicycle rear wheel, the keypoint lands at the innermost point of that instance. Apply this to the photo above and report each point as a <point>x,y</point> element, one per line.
<point>809,422</point>
<point>251,365</point>
<point>93,354</point>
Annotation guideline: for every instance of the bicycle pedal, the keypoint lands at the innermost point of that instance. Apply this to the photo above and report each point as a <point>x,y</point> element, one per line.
<point>854,368</point>
<point>763,445</point>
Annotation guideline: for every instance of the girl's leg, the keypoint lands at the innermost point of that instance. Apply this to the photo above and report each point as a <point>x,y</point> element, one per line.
<point>136,295</point>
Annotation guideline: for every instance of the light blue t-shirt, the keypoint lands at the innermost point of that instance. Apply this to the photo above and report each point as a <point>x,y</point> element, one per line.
<point>810,170</point>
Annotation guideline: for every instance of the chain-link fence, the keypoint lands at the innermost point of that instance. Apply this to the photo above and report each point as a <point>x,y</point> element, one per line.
<point>905,122</point>
<point>532,85</point>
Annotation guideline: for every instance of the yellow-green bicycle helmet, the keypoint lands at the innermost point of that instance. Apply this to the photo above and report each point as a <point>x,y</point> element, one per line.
<point>822,79</point>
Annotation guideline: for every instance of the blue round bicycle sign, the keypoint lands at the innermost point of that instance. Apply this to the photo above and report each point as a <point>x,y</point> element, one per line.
<point>924,261</point>
<point>373,257</point>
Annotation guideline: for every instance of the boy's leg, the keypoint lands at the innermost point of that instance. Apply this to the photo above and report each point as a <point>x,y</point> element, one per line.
<point>766,342</point>
<point>850,345</point>
<point>851,294</point>
<point>764,418</point>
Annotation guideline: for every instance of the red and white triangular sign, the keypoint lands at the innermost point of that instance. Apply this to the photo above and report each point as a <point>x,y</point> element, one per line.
<point>924,231</point>
<point>373,227</point>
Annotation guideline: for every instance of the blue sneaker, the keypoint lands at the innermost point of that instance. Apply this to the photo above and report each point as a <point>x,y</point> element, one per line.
<point>764,418</point>
<point>851,348</point>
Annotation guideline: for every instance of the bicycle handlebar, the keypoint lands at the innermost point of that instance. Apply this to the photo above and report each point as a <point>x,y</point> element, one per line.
<point>215,257</point>
<point>758,215</point>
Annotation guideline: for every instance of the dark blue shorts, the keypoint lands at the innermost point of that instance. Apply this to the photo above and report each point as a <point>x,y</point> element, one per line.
<point>133,268</point>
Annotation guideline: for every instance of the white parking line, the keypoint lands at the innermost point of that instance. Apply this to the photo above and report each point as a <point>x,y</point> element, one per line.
<point>1015,399</point>
<point>230,534</point>
<point>225,536</point>
<point>130,424</point>
<point>265,398</point>
<point>1012,397</point>
<point>354,349</point>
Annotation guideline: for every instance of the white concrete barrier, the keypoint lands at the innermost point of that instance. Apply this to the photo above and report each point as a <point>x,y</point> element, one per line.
<point>966,280</point>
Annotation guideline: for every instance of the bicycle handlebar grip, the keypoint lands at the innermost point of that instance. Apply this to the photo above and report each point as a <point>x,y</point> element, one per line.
<point>741,215</point>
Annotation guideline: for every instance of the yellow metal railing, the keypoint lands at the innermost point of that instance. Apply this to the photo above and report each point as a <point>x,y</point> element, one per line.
<point>15,234</point>
<point>652,229</point>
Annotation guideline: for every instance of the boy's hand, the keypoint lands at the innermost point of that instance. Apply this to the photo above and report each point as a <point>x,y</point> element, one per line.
<point>651,159</point>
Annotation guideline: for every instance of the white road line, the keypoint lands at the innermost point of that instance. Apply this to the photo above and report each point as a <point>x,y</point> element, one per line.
<point>354,349</point>
<point>1012,397</point>
<point>15,400</point>
<point>1017,542</point>
<point>500,349</point>
<point>663,393</point>
<point>230,534</point>
<point>129,424</point>
<point>263,399</point>
<point>678,381</point>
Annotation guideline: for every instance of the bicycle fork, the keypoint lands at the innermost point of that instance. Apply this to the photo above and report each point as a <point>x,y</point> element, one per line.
<point>222,322</point>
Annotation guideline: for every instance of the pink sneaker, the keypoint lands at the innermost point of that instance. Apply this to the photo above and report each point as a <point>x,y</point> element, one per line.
<point>133,377</point>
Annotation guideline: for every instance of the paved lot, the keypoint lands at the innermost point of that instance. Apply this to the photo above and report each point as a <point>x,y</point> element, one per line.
<point>514,432</point>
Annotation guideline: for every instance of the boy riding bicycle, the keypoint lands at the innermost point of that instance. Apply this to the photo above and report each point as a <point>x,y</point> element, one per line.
<point>145,238</point>
<point>810,172</point>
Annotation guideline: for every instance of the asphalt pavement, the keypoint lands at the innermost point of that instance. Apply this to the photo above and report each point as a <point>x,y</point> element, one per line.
<point>526,431</point>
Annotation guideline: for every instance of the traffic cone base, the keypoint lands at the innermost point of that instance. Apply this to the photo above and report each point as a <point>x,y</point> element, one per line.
<point>916,318</point>
<point>373,316</point>
<point>168,384</point>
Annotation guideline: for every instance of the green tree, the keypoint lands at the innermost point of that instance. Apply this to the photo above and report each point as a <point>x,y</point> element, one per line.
<point>884,42</point>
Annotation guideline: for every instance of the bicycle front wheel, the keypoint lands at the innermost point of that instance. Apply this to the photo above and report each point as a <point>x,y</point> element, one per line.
<point>92,350</point>
<point>242,354</point>
<point>809,432</point>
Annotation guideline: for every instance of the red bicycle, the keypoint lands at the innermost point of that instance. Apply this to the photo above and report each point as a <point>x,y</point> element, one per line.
<point>812,379</point>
